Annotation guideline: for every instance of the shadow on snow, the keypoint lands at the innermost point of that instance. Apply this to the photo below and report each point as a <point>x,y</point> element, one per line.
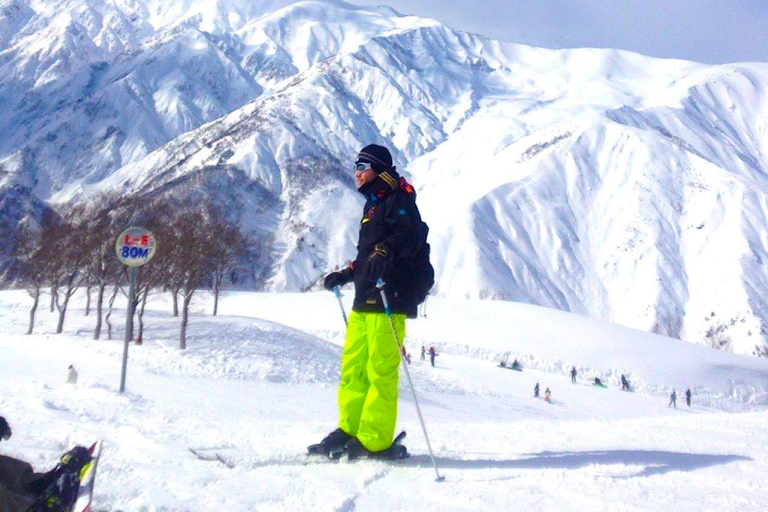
<point>655,462</point>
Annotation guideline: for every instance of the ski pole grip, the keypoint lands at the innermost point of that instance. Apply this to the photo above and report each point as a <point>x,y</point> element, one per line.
<point>337,291</point>
<point>380,286</point>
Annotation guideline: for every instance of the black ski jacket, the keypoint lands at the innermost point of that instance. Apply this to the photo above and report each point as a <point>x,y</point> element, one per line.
<point>392,221</point>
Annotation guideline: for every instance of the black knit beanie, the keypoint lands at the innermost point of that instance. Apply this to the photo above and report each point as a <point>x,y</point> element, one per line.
<point>378,156</point>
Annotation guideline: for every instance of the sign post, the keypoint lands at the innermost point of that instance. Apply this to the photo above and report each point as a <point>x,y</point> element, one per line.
<point>134,247</point>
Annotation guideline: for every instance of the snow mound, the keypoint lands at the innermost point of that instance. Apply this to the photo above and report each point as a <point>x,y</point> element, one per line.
<point>234,348</point>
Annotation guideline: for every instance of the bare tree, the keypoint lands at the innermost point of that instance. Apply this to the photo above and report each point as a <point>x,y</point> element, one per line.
<point>103,265</point>
<point>149,277</point>
<point>73,240</point>
<point>186,256</point>
<point>88,285</point>
<point>112,297</point>
<point>53,237</point>
<point>230,246</point>
<point>717,338</point>
<point>30,255</point>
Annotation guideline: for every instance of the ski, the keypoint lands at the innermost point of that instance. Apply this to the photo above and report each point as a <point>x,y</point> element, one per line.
<point>211,457</point>
<point>87,479</point>
<point>294,460</point>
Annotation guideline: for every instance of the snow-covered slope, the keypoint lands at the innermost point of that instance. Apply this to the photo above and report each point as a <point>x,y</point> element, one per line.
<point>600,182</point>
<point>257,384</point>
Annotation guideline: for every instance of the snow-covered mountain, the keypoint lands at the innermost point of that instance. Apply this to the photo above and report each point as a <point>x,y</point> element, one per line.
<point>600,182</point>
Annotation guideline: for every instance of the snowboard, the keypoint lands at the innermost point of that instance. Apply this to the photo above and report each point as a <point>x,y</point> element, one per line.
<point>87,479</point>
<point>603,386</point>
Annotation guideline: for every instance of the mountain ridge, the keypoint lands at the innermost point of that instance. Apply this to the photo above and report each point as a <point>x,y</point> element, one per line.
<point>595,181</point>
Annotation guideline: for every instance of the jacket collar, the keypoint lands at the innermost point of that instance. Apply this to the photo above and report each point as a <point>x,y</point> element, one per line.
<point>384,184</point>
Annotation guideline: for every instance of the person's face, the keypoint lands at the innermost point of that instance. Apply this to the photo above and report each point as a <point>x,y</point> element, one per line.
<point>364,175</point>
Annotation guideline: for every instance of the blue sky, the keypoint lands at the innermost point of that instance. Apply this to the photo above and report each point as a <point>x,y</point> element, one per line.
<point>710,31</point>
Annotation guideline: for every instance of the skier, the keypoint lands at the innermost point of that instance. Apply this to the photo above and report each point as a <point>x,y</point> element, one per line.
<point>423,353</point>
<point>598,382</point>
<point>624,383</point>
<point>72,375</point>
<point>432,355</point>
<point>688,397</point>
<point>548,396</point>
<point>391,232</point>
<point>673,399</point>
<point>573,375</point>
<point>405,354</point>
<point>536,391</point>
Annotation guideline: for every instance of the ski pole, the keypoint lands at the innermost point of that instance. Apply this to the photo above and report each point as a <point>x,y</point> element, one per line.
<point>380,286</point>
<point>338,294</point>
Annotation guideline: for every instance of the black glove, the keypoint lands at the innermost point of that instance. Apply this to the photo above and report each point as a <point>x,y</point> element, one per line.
<point>335,279</point>
<point>5,429</point>
<point>377,264</point>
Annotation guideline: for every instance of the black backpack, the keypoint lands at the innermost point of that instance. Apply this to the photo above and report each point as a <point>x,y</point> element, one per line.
<point>423,272</point>
<point>58,488</point>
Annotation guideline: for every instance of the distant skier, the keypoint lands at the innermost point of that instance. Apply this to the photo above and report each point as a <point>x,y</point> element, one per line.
<point>598,382</point>
<point>688,397</point>
<point>502,364</point>
<point>516,365</point>
<point>536,391</point>
<point>406,355</point>
<point>573,375</point>
<point>423,353</point>
<point>432,355</point>
<point>548,396</point>
<point>624,383</point>
<point>673,399</point>
<point>72,375</point>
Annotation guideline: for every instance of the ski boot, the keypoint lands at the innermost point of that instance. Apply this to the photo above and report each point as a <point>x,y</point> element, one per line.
<point>332,446</point>
<point>355,450</point>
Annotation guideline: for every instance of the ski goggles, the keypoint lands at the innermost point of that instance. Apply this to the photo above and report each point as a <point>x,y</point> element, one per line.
<point>362,166</point>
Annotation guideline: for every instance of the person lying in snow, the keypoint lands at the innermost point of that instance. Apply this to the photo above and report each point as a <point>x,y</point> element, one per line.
<point>23,490</point>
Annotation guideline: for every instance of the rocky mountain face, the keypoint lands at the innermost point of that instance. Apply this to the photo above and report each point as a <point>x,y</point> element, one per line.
<point>601,182</point>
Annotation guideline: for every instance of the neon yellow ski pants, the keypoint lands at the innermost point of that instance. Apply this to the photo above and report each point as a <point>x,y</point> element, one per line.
<point>369,377</point>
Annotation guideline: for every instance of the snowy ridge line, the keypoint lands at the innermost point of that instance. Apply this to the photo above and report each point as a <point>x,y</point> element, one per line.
<point>260,338</point>
<point>741,397</point>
